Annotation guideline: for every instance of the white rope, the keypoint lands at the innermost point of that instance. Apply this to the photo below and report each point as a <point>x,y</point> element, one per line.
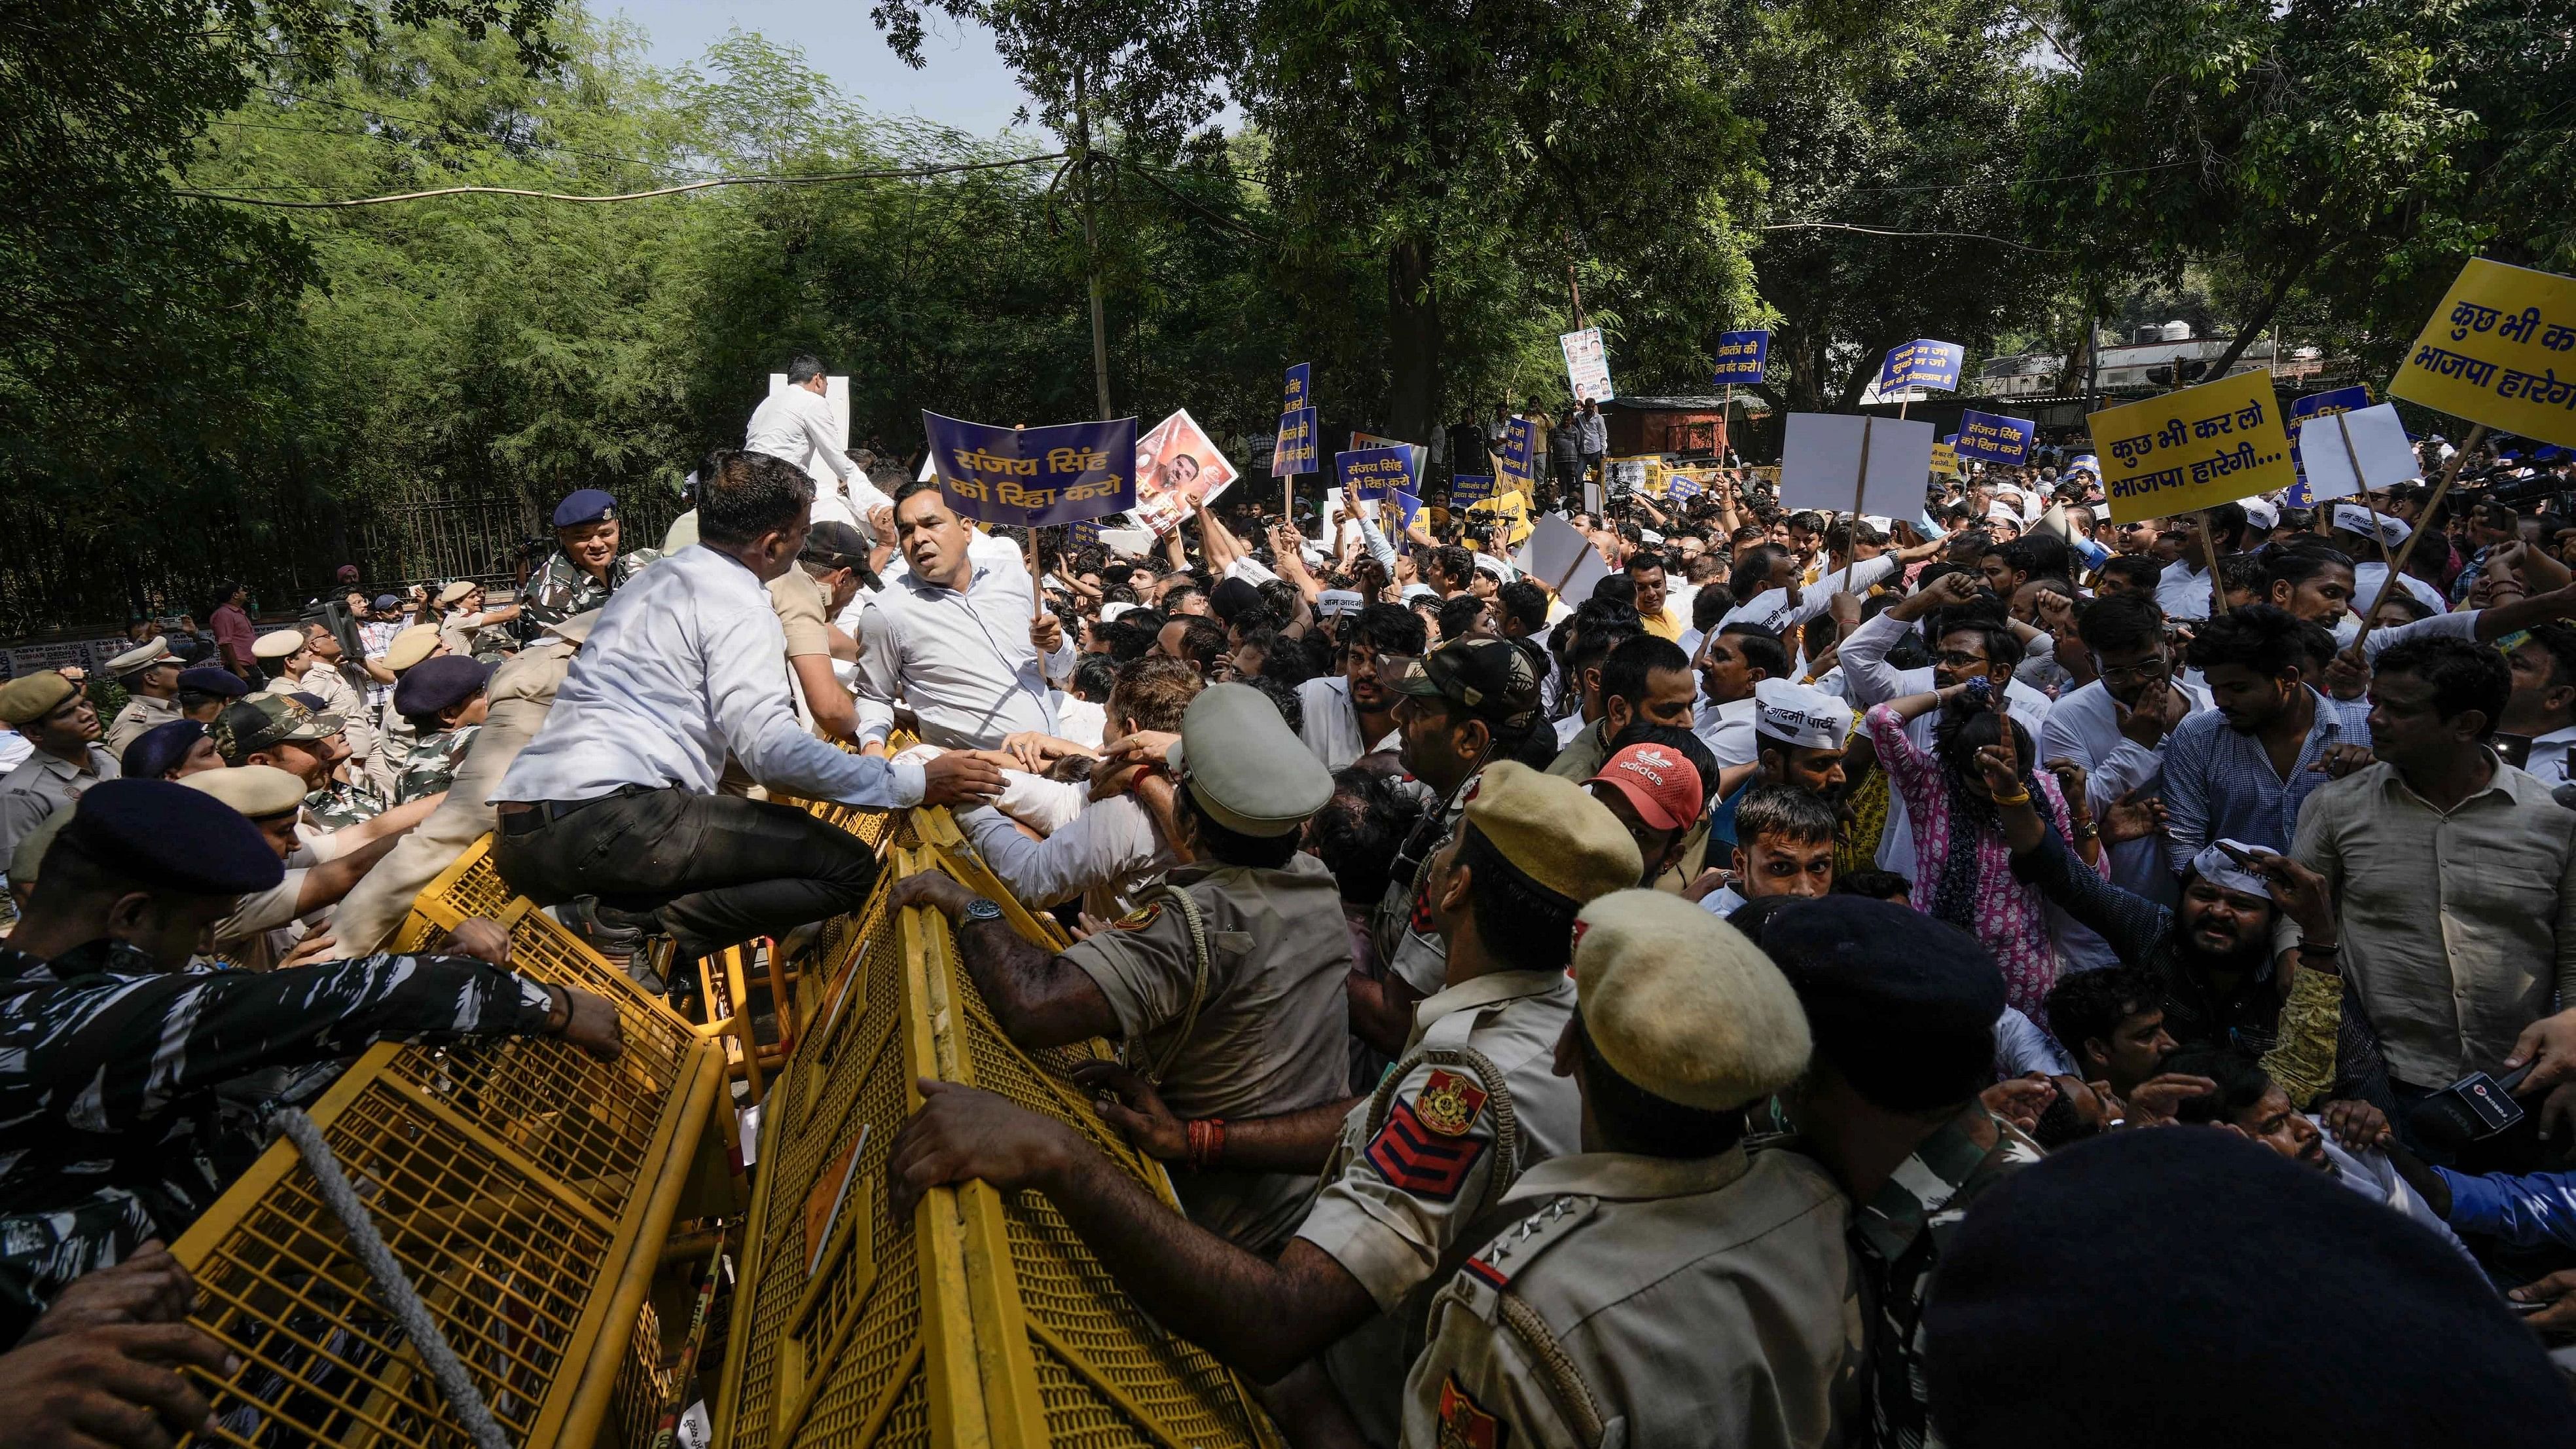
<point>444,1366</point>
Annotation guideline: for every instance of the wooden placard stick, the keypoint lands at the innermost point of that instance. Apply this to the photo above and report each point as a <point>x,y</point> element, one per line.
<point>2432,507</point>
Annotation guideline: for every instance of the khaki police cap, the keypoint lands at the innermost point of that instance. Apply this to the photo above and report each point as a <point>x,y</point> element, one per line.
<point>142,657</point>
<point>30,854</point>
<point>257,791</point>
<point>1683,1006</point>
<point>575,628</point>
<point>1552,831</point>
<point>1245,767</point>
<point>411,646</point>
<point>278,643</point>
<point>457,592</point>
<point>31,697</point>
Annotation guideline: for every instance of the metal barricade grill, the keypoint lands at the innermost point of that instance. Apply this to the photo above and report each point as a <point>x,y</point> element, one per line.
<point>526,1188</point>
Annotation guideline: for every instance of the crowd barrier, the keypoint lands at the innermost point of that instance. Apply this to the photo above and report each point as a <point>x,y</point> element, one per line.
<point>526,1188</point>
<point>983,1320</point>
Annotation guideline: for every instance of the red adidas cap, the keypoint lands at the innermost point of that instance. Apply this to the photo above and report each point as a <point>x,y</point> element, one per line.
<point>1662,785</point>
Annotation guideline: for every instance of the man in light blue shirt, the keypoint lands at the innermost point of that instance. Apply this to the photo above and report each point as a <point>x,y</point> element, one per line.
<point>613,808</point>
<point>2240,771</point>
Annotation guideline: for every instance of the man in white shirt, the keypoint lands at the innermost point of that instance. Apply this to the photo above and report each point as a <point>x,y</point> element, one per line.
<point>795,423</point>
<point>955,635</point>
<point>2183,589</point>
<point>1352,713</point>
<point>614,807</point>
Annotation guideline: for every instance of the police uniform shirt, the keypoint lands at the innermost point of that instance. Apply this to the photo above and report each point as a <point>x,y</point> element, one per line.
<point>1649,1301</point>
<point>342,697</point>
<point>560,589</point>
<point>393,749</point>
<point>1407,941</point>
<point>1273,1027</point>
<point>141,712</point>
<point>1401,1203</point>
<point>44,784</point>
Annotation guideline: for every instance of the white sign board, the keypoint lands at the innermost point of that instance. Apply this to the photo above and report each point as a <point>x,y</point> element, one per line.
<point>1820,464</point>
<point>2373,438</point>
<point>1587,366</point>
<point>1559,556</point>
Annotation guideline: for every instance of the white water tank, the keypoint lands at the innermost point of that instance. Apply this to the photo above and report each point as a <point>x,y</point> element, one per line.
<point>2174,332</point>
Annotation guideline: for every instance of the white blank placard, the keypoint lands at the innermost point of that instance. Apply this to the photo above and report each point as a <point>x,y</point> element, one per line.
<point>2378,442</point>
<point>1821,462</point>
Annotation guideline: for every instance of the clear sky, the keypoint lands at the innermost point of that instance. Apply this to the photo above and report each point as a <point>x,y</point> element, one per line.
<point>962,83</point>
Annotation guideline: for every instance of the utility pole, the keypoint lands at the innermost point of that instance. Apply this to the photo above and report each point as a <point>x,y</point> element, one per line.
<point>1090,239</point>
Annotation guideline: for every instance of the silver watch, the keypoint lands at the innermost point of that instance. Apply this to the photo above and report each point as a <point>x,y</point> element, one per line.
<point>980,909</point>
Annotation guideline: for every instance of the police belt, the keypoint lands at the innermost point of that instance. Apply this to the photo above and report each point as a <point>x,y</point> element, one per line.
<point>526,817</point>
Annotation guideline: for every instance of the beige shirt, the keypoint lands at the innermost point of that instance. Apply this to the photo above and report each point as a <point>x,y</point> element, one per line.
<point>521,691</point>
<point>46,783</point>
<point>1273,1029</point>
<point>800,604</point>
<point>142,712</point>
<point>1400,1207</point>
<point>1649,1301</point>
<point>328,684</point>
<point>2457,929</point>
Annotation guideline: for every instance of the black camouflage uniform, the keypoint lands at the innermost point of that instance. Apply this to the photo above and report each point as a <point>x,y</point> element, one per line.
<point>109,1137</point>
<point>559,589</point>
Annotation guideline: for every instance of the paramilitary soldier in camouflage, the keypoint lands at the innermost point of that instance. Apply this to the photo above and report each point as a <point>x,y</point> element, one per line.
<point>584,569</point>
<point>131,1089</point>
<point>444,700</point>
<point>282,730</point>
<point>1415,1174</point>
<point>1664,1286</point>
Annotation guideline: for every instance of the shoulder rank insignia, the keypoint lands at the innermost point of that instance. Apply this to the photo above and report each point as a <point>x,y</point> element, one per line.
<point>1413,1158</point>
<point>1448,1103</point>
<point>1141,917</point>
<point>1464,1424</point>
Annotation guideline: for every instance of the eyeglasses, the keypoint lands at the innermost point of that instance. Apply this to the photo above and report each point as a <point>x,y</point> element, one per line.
<point>1956,660</point>
<point>2149,669</point>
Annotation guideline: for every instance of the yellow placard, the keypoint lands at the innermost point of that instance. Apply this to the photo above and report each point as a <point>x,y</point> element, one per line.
<point>1945,459</point>
<point>2193,449</point>
<point>2492,352</point>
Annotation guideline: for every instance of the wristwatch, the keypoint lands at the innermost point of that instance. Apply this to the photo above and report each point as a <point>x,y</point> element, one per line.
<point>980,909</point>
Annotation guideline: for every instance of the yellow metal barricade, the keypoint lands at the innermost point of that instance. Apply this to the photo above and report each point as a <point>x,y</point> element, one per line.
<point>525,1186</point>
<point>982,1319</point>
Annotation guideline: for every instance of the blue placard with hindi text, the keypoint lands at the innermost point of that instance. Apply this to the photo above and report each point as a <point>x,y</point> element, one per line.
<point>1373,472</point>
<point>1994,438</point>
<point>1407,507</point>
<point>1298,393</point>
<point>1520,440</point>
<point>1741,357</point>
<point>1469,489</point>
<point>1296,450</point>
<point>1921,363</point>
<point>1033,476</point>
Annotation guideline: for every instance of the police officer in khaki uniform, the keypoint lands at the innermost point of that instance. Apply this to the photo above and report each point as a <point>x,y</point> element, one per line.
<point>1666,1286</point>
<point>273,649</point>
<point>149,674</point>
<point>58,719</point>
<point>1417,1170</point>
<point>1225,985</point>
<point>394,734</point>
<point>264,928</point>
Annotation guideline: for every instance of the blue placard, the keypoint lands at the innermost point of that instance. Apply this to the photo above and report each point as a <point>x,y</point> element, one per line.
<point>1468,489</point>
<point>1373,472</point>
<point>1408,506</point>
<point>1297,394</point>
<point>1993,437</point>
<point>1295,452</point>
<point>1082,533</point>
<point>1034,476</point>
<point>1741,356</point>
<point>2318,405</point>
<point>1921,363</point>
<point>1520,440</point>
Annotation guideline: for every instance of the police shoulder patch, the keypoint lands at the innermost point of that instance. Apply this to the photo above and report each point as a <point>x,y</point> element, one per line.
<point>1464,1424</point>
<point>1414,1159</point>
<point>1448,1103</point>
<point>1141,917</point>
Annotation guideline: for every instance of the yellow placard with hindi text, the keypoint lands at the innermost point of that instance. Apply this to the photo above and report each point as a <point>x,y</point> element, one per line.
<point>2492,351</point>
<point>2193,449</point>
<point>1945,459</point>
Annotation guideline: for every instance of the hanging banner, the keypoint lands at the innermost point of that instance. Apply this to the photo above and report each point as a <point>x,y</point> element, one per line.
<point>1296,450</point>
<point>1369,473</point>
<point>2193,449</point>
<point>2492,352</point>
<point>1176,463</point>
<point>1297,394</point>
<point>1587,366</point>
<point>1920,363</point>
<point>1033,476</point>
<point>1466,490</point>
<point>1994,438</point>
<point>1741,357</point>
